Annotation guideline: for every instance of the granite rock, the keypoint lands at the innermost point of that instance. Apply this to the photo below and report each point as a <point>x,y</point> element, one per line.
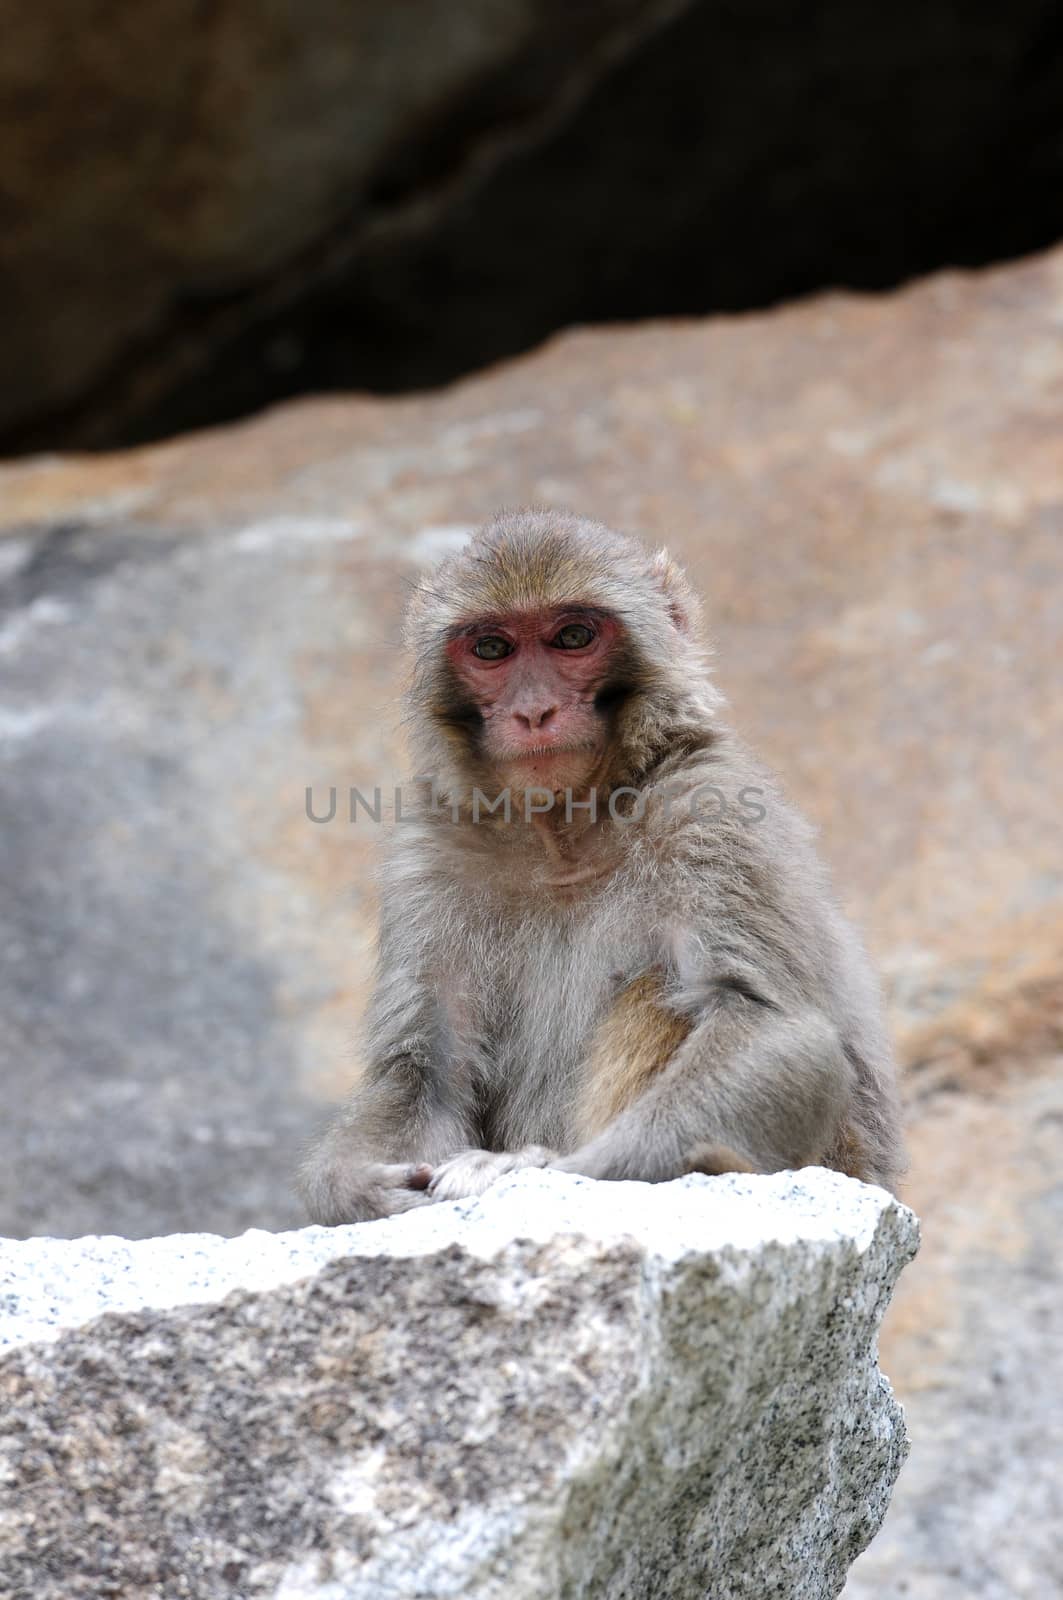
<point>563,1389</point>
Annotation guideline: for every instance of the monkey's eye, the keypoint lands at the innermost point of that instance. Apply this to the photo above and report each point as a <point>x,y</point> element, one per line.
<point>573,636</point>
<point>492,648</point>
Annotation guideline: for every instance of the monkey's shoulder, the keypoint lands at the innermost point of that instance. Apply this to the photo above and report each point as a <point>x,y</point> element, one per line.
<point>721,815</point>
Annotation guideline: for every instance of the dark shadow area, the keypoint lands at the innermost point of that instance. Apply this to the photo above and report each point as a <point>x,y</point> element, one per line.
<point>743,155</point>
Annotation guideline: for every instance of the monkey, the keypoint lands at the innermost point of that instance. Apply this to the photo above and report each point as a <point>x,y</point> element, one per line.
<point>607,943</point>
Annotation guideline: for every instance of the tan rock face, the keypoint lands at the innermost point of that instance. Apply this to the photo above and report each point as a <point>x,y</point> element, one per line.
<point>869,493</point>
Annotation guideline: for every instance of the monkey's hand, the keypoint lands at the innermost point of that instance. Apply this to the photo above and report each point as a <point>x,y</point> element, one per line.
<point>341,1192</point>
<point>470,1172</point>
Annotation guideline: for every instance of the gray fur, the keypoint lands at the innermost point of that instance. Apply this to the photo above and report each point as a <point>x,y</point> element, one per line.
<point>496,964</point>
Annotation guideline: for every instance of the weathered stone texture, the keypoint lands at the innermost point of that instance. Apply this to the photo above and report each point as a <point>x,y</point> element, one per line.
<point>564,1389</point>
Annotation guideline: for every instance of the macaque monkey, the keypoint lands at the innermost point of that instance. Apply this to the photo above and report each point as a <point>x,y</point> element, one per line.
<point>606,944</point>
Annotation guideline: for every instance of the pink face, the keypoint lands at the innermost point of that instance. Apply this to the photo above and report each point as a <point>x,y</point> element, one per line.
<point>533,676</point>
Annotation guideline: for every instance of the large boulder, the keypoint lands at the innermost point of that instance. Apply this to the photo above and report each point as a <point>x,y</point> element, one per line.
<point>972,1342</point>
<point>564,1389</point>
<point>169,178</point>
<point>200,212</point>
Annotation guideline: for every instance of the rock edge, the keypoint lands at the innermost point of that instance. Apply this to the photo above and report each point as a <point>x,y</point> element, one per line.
<point>562,1389</point>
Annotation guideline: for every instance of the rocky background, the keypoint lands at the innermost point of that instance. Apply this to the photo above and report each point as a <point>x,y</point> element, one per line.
<point>869,492</point>
<point>203,207</point>
<point>867,489</point>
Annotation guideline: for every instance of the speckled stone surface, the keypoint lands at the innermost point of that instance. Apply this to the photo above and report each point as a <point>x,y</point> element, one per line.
<point>562,1389</point>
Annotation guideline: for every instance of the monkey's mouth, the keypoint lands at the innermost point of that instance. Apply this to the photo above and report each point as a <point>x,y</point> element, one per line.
<point>543,752</point>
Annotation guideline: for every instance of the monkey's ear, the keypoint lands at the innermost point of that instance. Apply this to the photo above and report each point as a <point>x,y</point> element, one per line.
<point>682,607</point>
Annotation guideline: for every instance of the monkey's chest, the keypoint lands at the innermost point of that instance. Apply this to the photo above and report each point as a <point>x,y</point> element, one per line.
<point>570,1035</point>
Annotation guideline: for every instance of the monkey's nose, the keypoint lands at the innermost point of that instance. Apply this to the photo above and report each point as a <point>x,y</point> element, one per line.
<point>534,720</point>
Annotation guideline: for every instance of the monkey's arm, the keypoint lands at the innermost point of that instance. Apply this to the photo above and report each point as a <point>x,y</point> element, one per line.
<point>752,1088</point>
<point>377,1156</point>
<point>411,1111</point>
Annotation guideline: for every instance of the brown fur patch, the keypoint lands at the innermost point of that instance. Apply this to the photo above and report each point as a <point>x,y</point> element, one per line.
<point>716,1158</point>
<point>544,572</point>
<point>639,1037</point>
<point>848,1155</point>
<point>634,1042</point>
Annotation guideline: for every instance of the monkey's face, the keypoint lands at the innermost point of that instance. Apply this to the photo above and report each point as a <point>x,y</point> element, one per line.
<point>531,686</point>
